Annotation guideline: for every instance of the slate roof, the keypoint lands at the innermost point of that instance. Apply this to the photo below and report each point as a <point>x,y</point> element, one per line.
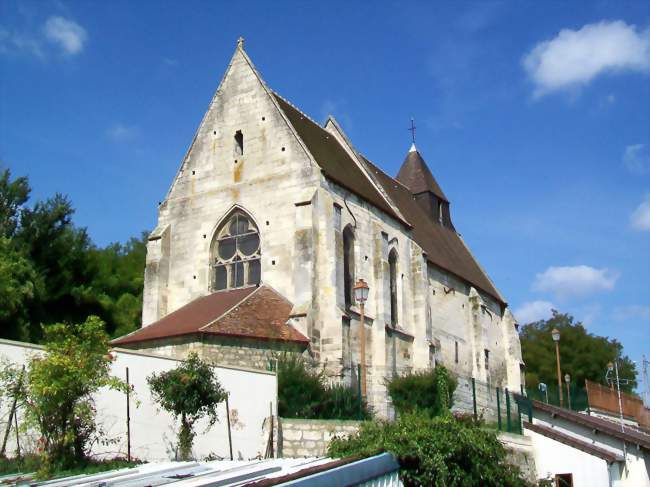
<point>603,425</point>
<point>252,312</point>
<point>443,246</point>
<point>556,435</point>
<point>335,162</point>
<point>417,177</point>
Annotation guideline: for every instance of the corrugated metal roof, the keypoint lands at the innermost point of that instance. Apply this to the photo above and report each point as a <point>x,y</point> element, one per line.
<point>276,471</point>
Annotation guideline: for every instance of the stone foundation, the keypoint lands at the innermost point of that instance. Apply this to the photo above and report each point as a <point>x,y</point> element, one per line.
<point>310,437</point>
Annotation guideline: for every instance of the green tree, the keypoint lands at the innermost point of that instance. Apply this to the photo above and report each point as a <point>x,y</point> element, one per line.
<point>583,355</point>
<point>19,287</point>
<point>429,392</point>
<point>51,272</point>
<point>440,451</point>
<point>13,195</point>
<point>59,388</point>
<point>190,392</point>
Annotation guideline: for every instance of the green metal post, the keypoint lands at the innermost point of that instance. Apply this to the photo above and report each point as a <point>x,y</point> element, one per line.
<point>359,390</point>
<point>499,409</point>
<point>508,421</point>
<point>474,398</point>
<point>530,411</point>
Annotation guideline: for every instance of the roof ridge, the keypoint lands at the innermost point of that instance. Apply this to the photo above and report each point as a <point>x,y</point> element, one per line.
<point>384,172</point>
<point>230,309</point>
<point>298,110</point>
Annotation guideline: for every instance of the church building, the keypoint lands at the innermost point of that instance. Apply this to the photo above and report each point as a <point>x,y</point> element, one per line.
<point>270,222</point>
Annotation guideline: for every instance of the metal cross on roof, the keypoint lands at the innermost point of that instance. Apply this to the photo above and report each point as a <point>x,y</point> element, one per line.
<point>412,129</point>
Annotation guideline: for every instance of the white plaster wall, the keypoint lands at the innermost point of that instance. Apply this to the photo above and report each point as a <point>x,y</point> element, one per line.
<point>553,457</point>
<point>153,432</point>
<point>635,472</point>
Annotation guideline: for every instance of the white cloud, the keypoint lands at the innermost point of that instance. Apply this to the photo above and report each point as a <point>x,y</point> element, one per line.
<point>532,311</point>
<point>14,43</point>
<point>69,35</point>
<point>632,312</point>
<point>640,219</point>
<point>637,158</point>
<point>122,133</point>
<point>577,280</point>
<point>574,57</point>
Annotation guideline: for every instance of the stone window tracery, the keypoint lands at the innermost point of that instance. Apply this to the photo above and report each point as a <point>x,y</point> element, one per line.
<point>235,253</point>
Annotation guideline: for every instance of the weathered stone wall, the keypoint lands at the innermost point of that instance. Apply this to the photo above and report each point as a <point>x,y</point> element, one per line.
<point>232,352</point>
<point>310,437</point>
<point>520,454</point>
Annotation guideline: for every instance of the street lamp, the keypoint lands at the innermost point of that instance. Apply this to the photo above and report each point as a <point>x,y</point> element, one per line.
<point>361,295</point>
<point>567,379</point>
<point>555,333</point>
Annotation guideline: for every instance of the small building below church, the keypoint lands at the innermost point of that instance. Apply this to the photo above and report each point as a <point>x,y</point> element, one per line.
<point>271,220</point>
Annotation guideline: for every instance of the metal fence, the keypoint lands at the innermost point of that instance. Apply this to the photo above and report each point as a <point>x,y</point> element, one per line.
<point>496,407</point>
<point>574,397</point>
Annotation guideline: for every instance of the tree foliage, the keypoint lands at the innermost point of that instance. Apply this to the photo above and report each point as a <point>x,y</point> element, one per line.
<point>429,392</point>
<point>303,392</point>
<point>58,388</point>
<point>583,355</point>
<point>439,451</point>
<point>51,272</point>
<point>190,392</point>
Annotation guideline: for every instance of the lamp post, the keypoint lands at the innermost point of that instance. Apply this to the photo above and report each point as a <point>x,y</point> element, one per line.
<point>361,295</point>
<point>542,387</point>
<point>555,333</point>
<point>567,379</point>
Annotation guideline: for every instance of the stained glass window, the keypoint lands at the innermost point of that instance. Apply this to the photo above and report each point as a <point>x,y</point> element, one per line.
<point>236,253</point>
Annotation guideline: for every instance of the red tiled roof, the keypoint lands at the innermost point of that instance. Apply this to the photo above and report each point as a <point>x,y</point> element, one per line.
<point>251,312</point>
<point>556,435</point>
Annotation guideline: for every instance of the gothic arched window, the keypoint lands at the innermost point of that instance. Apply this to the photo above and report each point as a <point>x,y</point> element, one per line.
<point>392,271</point>
<point>348,265</point>
<point>235,253</point>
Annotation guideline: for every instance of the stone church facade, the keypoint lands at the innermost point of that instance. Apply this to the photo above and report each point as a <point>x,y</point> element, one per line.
<point>270,221</point>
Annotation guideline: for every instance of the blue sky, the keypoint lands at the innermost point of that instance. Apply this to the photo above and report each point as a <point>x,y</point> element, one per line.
<point>533,116</point>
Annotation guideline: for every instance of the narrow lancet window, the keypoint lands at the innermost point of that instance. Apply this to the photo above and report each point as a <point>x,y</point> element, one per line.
<point>348,265</point>
<point>392,271</point>
<point>239,143</point>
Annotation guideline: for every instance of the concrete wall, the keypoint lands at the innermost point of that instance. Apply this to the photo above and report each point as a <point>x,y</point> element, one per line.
<point>153,432</point>
<point>310,437</point>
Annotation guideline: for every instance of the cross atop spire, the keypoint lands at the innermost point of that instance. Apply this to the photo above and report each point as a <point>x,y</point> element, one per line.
<point>412,130</point>
<point>240,42</point>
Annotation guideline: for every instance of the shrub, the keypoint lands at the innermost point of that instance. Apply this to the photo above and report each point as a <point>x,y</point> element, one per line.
<point>434,451</point>
<point>303,393</point>
<point>428,391</point>
<point>190,391</point>
<point>57,391</point>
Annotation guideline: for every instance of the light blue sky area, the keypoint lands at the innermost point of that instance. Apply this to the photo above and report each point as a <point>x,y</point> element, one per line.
<point>533,116</point>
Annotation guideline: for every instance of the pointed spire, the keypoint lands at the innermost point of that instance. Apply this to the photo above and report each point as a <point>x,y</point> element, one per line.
<point>416,176</point>
<point>240,43</point>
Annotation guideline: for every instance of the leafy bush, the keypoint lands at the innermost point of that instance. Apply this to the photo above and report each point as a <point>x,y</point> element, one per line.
<point>429,391</point>
<point>190,391</point>
<point>303,393</point>
<point>434,451</point>
<point>57,391</point>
